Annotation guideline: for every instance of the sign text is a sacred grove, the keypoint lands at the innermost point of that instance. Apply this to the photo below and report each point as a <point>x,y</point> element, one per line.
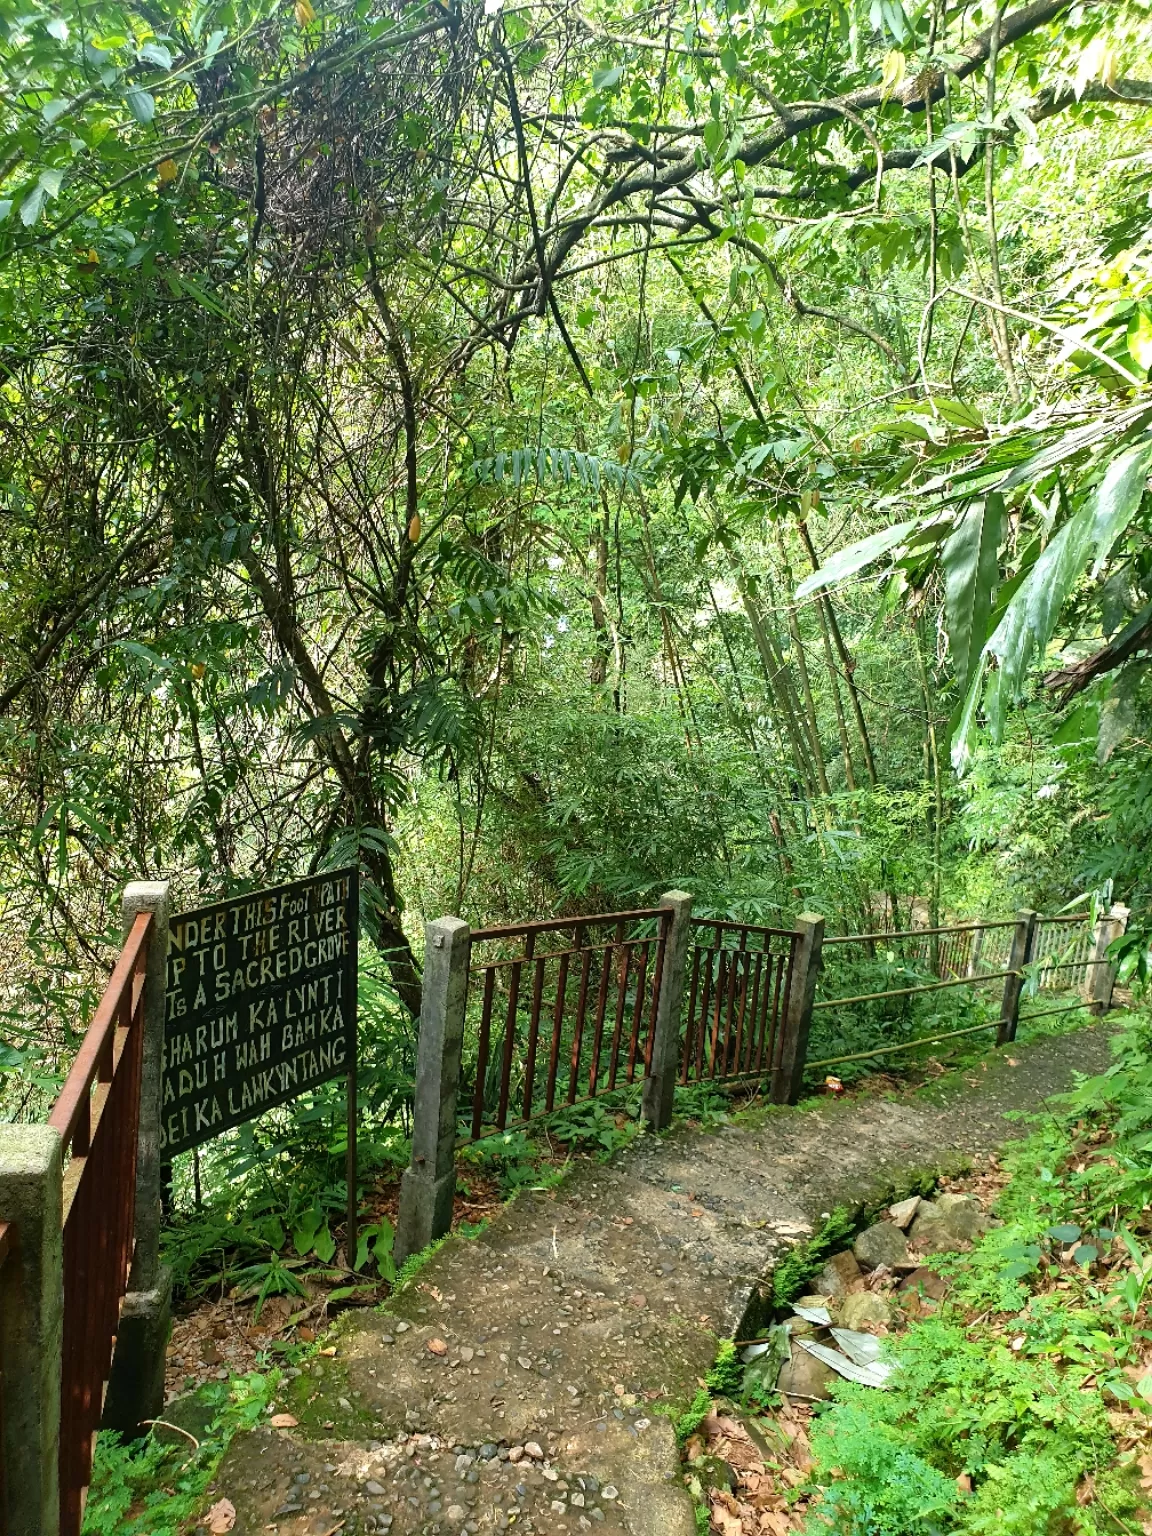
<point>261,1004</point>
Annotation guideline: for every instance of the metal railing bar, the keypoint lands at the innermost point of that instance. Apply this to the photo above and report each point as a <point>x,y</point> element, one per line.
<point>74,1096</point>
<point>918,933</point>
<point>502,962</point>
<point>934,986</point>
<point>1042,1013</point>
<point>907,1045</point>
<point>1068,965</point>
<point>551,924</point>
<point>726,923</point>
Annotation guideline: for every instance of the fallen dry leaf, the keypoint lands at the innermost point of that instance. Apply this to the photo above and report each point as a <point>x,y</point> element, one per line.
<point>283,1421</point>
<point>221,1517</point>
<point>437,1347</point>
<point>964,1483</point>
<point>725,1513</point>
<point>330,1351</point>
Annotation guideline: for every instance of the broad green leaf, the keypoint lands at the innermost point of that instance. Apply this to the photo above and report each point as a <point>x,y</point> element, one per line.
<point>970,570</point>
<point>1030,619</point>
<point>1118,498</point>
<point>51,110</point>
<point>1140,336</point>
<point>141,104</point>
<point>846,562</point>
<point>156,53</point>
<point>33,206</point>
<point>58,28</point>
<point>1067,1232</point>
<point>607,79</point>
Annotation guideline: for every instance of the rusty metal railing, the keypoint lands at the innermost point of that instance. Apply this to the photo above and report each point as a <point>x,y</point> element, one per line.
<point>911,964</point>
<point>560,1011</point>
<point>97,1115</point>
<point>741,975</point>
<point>6,1237</point>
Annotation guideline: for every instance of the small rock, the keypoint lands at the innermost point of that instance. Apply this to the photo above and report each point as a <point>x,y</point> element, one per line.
<point>524,1362</point>
<point>903,1211</point>
<point>882,1244</point>
<point>805,1376</point>
<point>864,1307</point>
<point>946,1229</point>
<point>839,1276</point>
<point>609,1492</point>
<point>455,1514</point>
<point>402,1327</point>
<point>956,1201</point>
<point>927,1282</point>
<point>532,1449</point>
<point>488,1452</point>
<point>516,1454</point>
<point>345,1404</point>
<point>467,1354</point>
<point>373,1487</point>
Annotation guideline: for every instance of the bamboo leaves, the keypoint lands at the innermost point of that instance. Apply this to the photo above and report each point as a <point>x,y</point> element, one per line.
<point>846,562</point>
<point>970,573</point>
<point>1030,618</point>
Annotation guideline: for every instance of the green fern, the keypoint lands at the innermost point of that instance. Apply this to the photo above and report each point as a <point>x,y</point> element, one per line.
<point>564,464</point>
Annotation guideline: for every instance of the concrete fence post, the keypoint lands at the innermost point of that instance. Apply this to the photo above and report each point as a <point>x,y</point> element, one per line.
<point>136,1379</point>
<point>429,1182</point>
<point>660,1084</point>
<point>788,1079</point>
<point>1101,973</point>
<point>31,1328</point>
<point>1023,945</point>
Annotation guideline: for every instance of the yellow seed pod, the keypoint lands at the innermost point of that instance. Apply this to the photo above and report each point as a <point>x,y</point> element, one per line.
<point>167,170</point>
<point>197,670</point>
<point>304,12</point>
<point>414,528</point>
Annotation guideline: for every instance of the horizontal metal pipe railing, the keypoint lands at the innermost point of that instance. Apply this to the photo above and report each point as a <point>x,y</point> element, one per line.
<point>931,986</point>
<point>904,1045</point>
<point>550,924</point>
<point>919,933</point>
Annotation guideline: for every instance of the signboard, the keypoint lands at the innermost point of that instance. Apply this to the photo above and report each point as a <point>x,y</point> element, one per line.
<point>260,1006</point>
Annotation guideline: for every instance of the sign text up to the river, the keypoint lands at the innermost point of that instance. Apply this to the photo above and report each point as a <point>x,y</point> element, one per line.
<point>261,1004</point>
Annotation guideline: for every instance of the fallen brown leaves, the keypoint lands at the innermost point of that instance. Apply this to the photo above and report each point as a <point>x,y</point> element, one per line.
<point>766,1469</point>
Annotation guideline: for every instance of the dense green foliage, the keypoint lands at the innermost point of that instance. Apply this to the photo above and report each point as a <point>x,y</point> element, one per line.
<point>1035,1368</point>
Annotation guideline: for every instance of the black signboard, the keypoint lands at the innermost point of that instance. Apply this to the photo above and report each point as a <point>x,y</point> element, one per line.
<point>261,1006</point>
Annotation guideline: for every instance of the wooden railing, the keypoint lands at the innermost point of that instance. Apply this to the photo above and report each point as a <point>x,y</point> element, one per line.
<point>98,1116</point>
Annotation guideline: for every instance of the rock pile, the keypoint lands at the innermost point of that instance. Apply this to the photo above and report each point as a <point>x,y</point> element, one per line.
<point>874,1287</point>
